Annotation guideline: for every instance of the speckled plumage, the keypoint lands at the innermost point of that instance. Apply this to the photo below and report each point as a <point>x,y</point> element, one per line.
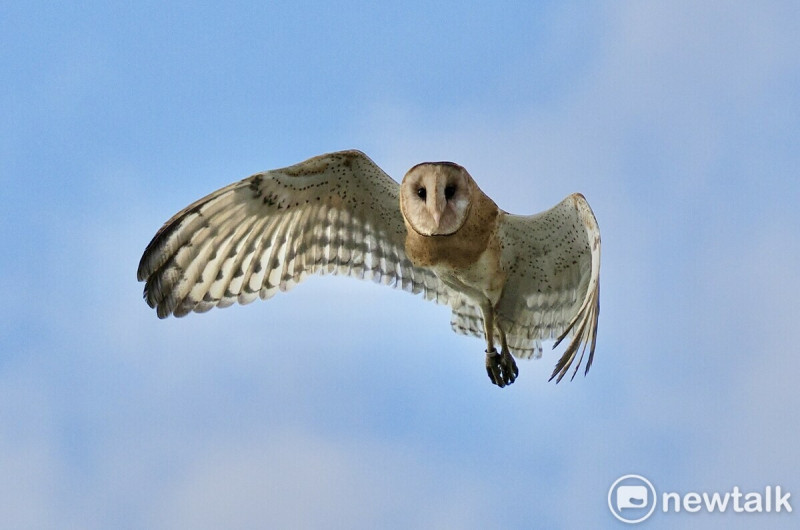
<point>340,214</point>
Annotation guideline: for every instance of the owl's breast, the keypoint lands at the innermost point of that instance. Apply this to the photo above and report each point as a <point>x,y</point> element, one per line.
<point>468,261</point>
<point>483,279</point>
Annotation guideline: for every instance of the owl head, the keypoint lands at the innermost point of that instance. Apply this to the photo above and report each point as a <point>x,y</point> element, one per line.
<point>435,197</point>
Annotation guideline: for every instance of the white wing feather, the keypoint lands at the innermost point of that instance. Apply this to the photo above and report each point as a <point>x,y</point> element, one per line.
<point>337,213</point>
<point>553,286</point>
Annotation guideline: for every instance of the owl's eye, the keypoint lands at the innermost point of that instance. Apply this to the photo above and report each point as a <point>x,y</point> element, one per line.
<point>449,191</point>
<point>422,193</point>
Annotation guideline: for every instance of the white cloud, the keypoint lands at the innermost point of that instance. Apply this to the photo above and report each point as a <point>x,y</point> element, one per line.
<point>32,470</point>
<point>298,479</point>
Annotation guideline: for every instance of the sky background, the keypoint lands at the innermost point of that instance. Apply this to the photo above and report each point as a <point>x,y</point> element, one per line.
<point>345,404</point>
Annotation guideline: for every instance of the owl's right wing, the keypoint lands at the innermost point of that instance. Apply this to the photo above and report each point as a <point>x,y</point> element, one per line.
<point>337,213</point>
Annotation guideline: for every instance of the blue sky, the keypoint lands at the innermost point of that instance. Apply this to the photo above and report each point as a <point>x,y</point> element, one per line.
<point>344,403</point>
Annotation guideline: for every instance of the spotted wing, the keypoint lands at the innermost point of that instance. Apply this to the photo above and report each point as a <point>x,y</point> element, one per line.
<point>553,284</point>
<point>337,213</point>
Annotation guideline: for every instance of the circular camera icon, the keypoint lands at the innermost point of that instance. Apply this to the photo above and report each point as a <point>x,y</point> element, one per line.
<point>632,499</point>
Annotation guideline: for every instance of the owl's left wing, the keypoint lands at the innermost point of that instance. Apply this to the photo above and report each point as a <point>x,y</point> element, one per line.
<point>337,213</point>
<point>552,290</point>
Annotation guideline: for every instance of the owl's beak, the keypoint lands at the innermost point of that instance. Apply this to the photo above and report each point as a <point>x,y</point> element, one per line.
<point>436,217</point>
<point>438,210</point>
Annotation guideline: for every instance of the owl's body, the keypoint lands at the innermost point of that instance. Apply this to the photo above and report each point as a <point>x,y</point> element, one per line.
<point>516,279</point>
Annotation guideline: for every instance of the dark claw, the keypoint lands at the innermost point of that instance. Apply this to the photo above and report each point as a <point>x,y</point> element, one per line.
<point>493,368</point>
<point>501,368</point>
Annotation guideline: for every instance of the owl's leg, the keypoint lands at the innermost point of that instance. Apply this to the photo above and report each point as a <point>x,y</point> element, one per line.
<point>501,367</point>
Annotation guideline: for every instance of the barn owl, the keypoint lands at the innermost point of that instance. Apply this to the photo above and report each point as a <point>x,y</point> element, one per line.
<point>514,280</point>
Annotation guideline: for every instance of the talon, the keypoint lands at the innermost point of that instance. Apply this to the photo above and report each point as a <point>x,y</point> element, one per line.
<point>501,368</point>
<point>510,366</point>
<point>493,368</point>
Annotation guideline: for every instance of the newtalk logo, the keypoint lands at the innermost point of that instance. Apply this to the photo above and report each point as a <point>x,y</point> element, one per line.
<point>632,499</point>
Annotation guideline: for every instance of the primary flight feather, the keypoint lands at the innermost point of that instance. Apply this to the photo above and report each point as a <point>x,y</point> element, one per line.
<point>512,279</point>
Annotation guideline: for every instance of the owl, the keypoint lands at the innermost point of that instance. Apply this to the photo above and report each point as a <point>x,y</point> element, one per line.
<point>513,280</point>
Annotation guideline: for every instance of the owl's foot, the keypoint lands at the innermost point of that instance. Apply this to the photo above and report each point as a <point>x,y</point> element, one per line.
<point>501,367</point>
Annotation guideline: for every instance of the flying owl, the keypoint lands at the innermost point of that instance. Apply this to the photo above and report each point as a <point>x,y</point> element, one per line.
<point>514,280</point>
